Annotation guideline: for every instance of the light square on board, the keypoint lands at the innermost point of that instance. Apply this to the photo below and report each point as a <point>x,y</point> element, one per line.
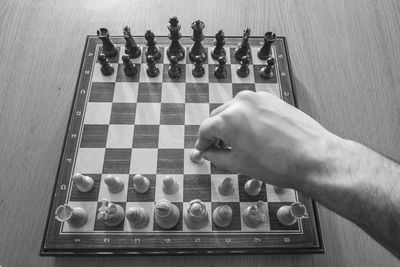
<point>195,168</point>
<point>215,61</point>
<point>148,113</point>
<point>120,136</point>
<point>220,92</point>
<point>173,93</point>
<point>191,133</point>
<point>143,160</point>
<point>191,79</point>
<point>149,208</point>
<point>144,78</point>
<point>89,160</point>
<point>264,227</point>
<point>280,194</point>
<point>182,61</point>
<point>113,59</point>
<point>171,136</point>
<point>216,180</point>
<point>205,228</point>
<point>237,79</point>
<point>104,193</point>
<point>125,92</point>
<point>97,113</point>
<point>177,196</point>
<point>255,58</point>
<point>272,88</point>
<point>91,208</point>
<point>196,113</point>
<point>99,77</point>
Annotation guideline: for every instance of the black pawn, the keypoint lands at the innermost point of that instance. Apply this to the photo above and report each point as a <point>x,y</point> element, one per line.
<point>243,48</point>
<point>175,49</point>
<point>219,42</point>
<point>198,69</point>
<point>109,48</point>
<point>266,72</point>
<point>129,68</point>
<point>174,71</point>
<point>243,70</point>
<point>152,70</point>
<point>152,49</point>
<point>106,68</point>
<point>132,49</point>
<point>220,70</point>
<point>265,51</point>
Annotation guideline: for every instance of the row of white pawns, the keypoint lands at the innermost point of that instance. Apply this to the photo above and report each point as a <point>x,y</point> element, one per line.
<point>167,214</point>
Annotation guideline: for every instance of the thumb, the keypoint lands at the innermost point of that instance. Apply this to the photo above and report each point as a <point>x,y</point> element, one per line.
<point>222,159</point>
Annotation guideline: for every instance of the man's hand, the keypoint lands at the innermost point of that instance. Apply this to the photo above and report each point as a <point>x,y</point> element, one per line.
<point>268,139</point>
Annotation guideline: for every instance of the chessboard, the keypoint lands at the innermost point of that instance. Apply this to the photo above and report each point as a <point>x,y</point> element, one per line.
<point>127,125</point>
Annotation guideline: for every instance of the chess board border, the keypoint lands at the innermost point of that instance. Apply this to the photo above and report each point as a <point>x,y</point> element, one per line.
<point>55,244</point>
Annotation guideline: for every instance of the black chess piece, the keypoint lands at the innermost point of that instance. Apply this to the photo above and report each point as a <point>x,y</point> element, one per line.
<point>198,69</point>
<point>129,67</point>
<point>152,70</point>
<point>109,48</point>
<point>175,48</point>
<point>106,69</point>
<point>174,71</point>
<point>267,71</point>
<point>265,51</point>
<point>243,48</point>
<point>243,70</point>
<point>219,42</point>
<point>197,49</point>
<point>220,69</point>
<point>132,49</point>
<point>152,49</point>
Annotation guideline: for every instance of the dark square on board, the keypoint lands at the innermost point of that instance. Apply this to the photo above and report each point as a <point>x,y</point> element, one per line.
<point>94,136</point>
<point>102,92</point>
<point>123,113</point>
<point>117,160</point>
<point>172,114</point>
<point>170,161</point>
<point>121,76</point>
<point>99,224</point>
<point>92,195</point>
<point>197,186</point>
<point>148,196</point>
<point>146,136</point>
<point>273,219</point>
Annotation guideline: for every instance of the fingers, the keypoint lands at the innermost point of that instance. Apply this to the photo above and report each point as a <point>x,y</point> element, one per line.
<point>223,159</point>
<point>209,133</point>
<point>219,109</point>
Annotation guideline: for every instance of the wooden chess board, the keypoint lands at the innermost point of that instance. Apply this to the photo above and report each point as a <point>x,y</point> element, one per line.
<point>124,125</point>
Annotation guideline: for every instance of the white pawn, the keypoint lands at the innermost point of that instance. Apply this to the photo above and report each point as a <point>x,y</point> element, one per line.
<point>253,187</point>
<point>138,217</point>
<point>196,215</point>
<point>289,214</point>
<point>170,186</point>
<point>76,217</point>
<point>225,188</point>
<point>112,214</point>
<point>114,184</point>
<point>140,184</point>
<point>83,183</point>
<point>166,214</point>
<point>222,216</point>
<point>196,156</point>
<point>255,215</point>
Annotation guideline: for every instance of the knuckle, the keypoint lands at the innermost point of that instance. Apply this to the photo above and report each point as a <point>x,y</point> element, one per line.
<point>245,94</point>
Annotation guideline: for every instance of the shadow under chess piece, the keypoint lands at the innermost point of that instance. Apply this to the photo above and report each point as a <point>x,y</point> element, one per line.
<point>290,214</point>
<point>196,216</point>
<point>109,48</point>
<point>110,213</point>
<point>76,217</point>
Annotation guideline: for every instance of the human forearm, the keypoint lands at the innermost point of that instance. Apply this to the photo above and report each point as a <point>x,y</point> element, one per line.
<point>364,187</point>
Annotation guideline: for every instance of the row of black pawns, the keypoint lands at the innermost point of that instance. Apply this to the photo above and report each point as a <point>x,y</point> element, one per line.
<point>175,52</point>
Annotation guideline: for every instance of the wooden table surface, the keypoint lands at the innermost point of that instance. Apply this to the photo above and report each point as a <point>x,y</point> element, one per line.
<point>345,59</point>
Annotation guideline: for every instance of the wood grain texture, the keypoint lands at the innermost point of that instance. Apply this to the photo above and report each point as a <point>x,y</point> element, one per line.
<point>345,60</point>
